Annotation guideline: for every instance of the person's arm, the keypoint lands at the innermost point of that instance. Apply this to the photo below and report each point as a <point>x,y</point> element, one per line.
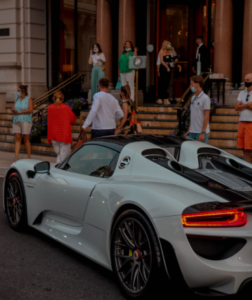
<point>188,131</point>
<point>93,112</point>
<point>119,65</point>
<point>135,52</point>
<point>158,64</point>
<point>27,111</point>
<point>90,60</point>
<point>240,107</point>
<point>124,119</point>
<point>119,113</point>
<point>205,123</point>
<point>72,116</point>
<point>162,61</point>
<point>102,59</point>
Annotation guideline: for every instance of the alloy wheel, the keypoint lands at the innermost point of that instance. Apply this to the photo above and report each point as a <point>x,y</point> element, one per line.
<point>132,255</point>
<point>14,201</point>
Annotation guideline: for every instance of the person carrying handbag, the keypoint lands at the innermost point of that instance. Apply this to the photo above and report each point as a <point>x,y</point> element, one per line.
<point>129,123</point>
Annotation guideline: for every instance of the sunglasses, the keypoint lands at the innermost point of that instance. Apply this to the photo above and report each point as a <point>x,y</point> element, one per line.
<point>247,97</point>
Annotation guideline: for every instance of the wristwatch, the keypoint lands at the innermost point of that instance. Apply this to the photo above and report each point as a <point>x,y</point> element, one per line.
<point>203,132</point>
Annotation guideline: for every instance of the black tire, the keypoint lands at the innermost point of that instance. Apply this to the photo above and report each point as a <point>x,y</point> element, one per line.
<point>136,256</point>
<point>15,202</point>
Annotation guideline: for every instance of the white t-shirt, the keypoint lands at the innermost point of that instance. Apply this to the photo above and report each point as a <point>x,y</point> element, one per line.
<point>95,58</point>
<point>198,106</point>
<point>245,115</point>
<point>104,113</point>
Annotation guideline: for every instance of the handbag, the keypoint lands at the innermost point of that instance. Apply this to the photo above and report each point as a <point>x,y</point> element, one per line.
<point>119,83</point>
<point>103,67</point>
<point>82,139</point>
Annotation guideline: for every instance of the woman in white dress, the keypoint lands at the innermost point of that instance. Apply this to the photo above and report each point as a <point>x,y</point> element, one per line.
<point>97,58</point>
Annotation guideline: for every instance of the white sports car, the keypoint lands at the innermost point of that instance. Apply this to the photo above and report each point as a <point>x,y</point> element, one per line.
<point>140,204</point>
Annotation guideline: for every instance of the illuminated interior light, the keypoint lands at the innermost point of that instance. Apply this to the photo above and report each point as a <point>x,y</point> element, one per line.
<point>221,218</point>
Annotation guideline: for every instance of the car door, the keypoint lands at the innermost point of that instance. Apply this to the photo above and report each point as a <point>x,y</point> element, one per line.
<point>66,190</point>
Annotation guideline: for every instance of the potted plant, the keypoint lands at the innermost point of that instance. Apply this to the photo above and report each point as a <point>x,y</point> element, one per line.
<point>76,105</point>
<point>36,132</point>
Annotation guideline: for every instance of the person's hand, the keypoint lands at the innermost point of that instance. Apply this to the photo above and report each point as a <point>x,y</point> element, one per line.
<point>98,59</point>
<point>168,69</point>
<point>186,134</point>
<point>117,131</point>
<point>201,137</point>
<point>172,48</point>
<point>91,52</point>
<point>136,49</point>
<point>194,71</point>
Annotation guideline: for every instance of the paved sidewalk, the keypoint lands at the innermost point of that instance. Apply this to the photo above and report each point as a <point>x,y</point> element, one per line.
<point>7,158</point>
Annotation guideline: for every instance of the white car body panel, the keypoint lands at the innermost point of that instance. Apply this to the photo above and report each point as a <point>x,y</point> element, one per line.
<point>79,210</point>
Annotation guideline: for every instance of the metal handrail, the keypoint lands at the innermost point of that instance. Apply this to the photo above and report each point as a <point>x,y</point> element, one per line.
<point>39,101</point>
<point>60,86</point>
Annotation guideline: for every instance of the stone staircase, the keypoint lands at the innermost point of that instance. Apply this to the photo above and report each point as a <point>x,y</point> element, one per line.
<point>155,119</point>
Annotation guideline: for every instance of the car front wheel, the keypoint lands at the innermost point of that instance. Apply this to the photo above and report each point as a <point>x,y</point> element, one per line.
<point>135,255</point>
<point>15,203</point>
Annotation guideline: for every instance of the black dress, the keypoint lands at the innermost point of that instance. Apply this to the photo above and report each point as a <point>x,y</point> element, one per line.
<point>165,77</point>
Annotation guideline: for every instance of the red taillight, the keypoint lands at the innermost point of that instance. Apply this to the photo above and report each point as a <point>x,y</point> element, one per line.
<point>220,218</point>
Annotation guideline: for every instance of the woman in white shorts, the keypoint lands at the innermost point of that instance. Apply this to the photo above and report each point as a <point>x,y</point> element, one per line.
<point>22,120</point>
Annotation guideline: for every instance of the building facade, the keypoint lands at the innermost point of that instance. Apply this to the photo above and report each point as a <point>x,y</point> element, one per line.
<point>44,42</point>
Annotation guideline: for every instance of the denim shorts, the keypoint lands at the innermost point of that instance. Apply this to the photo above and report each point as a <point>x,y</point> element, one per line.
<point>195,136</point>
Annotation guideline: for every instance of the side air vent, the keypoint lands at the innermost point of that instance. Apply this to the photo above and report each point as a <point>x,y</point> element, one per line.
<point>208,151</point>
<point>216,248</point>
<point>233,163</point>
<point>151,152</point>
<point>175,166</point>
<point>124,162</point>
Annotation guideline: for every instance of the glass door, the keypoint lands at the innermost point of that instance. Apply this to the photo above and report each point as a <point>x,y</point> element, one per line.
<point>175,29</point>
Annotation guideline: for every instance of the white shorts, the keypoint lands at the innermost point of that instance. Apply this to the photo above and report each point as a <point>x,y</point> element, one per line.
<point>22,127</point>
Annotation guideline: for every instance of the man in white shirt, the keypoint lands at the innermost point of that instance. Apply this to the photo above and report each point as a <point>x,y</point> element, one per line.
<point>200,112</point>
<point>244,107</point>
<point>104,113</point>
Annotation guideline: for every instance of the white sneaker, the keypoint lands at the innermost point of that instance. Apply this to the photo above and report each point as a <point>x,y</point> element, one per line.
<point>159,101</point>
<point>166,102</point>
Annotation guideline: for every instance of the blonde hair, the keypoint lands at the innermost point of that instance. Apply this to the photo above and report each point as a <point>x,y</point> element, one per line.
<point>58,94</point>
<point>164,45</point>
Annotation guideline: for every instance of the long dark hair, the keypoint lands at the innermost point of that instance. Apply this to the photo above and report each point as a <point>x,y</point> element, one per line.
<point>98,46</point>
<point>131,45</point>
<point>23,88</point>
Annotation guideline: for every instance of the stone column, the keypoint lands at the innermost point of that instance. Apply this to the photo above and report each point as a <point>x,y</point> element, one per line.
<point>223,42</point>
<point>127,23</point>
<point>247,41</point>
<point>104,34</point>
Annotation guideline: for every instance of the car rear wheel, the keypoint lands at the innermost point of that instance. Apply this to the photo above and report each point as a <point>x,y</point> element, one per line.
<point>15,203</point>
<point>135,255</point>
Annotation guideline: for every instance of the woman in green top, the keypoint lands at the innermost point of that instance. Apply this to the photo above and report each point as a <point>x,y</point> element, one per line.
<point>127,75</point>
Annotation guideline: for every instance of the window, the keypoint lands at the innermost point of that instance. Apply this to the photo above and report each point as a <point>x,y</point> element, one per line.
<point>92,160</point>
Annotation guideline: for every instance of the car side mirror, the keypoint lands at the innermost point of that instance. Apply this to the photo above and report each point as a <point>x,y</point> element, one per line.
<point>42,167</point>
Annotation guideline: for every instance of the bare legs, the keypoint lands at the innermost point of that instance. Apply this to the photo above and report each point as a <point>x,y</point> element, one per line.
<point>26,138</point>
<point>18,139</point>
<point>247,156</point>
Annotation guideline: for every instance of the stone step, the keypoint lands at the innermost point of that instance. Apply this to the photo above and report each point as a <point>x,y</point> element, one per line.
<point>44,156</point>
<point>220,142</point>
<point>156,108</point>
<point>5,129</point>
<point>225,118</point>
<point>158,123</point>
<point>6,116</point>
<point>154,116</point>
<point>224,126</point>
<point>161,131</point>
<point>7,123</point>
<point>223,134</point>
<point>226,111</point>
<point>7,137</point>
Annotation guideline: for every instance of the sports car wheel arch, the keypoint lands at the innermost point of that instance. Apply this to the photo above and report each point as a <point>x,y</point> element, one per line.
<point>135,254</point>
<point>15,201</point>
